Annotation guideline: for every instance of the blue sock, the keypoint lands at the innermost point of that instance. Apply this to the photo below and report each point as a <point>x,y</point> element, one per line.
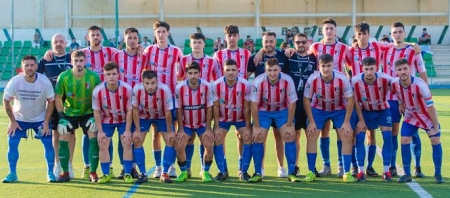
<point>13,153</point>
<point>182,166</point>
<point>258,153</point>
<point>110,150</point>
<point>360,151</point>
<point>127,166</point>
<point>240,163</point>
<point>347,161</point>
<point>225,162</point>
<point>189,153</point>
<point>325,150</point>
<point>386,151</point>
<point>394,150</point>
<point>219,157</point>
<point>289,148</point>
<point>339,150</point>
<point>139,158</point>
<point>49,152</point>
<point>119,151</point>
<point>416,149</point>
<point>105,167</point>
<point>406,158</point>
<point>311,157</point>
<point>202,153</point>
<point>246,157</point>
<point>437,158</point>
<point>85,146</point>
<point>372,150</point>
<point>157,157</point>
<point>169,158</point>
<point>354,163</point>
<point>207,165</point>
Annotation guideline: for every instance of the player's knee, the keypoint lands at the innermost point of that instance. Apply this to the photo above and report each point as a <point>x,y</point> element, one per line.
<point>435,140</point>
<point>289,137</point>
<point>247,139</point>
<point>137,142</point>
<point>104,144</point>
<point>218,139</point>
<point>258,138</point>
<point>207,140</point>
<point>405,140</point>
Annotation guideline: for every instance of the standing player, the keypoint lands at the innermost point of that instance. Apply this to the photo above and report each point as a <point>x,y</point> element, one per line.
<point>163,59</point>
<point>231,95</point>
<point>417,105</point>
<point>415,61</point>
<point>370,89</point>
<point>193,100</point>
<point>152,104</point>
<point>33,105</point>
<point>111,102</point>
<point>273,98</point>
<point>328,90</point>
<point>59,62</point>
<point>77,85</point>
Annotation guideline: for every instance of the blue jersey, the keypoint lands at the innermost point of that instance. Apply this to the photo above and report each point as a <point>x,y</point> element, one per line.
<point>300,68</point>
<point>260,68</point>
<point>53,68</point>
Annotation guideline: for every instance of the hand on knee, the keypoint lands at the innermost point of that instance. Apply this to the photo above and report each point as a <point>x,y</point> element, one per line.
<point>435,140</point>
<point>218,139</point>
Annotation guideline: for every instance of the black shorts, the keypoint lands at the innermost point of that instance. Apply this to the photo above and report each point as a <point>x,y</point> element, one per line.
<point>79,121</point>
<point>54,120</point>
<point>300,116</point>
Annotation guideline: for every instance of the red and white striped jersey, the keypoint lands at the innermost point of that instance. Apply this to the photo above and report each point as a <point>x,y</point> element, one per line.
<point>416,97</point>
<point>371,97</point>
<point>114,105</point>
<point>328,96</point>
<point>231,99</point>
<point>273,97</point>
<point>152,106</point>
<point>193,103</point>
<point>408,52</point>
<point>164,63</point>
<point>356,55</point>
<point>338,50</point>
<point>241,56</point>
<point>130,67</point>
<point>209,67</point>
<point>96,60</point>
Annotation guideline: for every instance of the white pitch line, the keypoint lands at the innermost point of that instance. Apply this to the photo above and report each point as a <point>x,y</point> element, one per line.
<point>413,185</point>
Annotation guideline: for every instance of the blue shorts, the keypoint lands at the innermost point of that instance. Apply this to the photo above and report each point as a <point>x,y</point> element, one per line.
<point>227,125</point>
<point>191,131</point>
<point>174,110</point>
<point>110,128</point>
<point>146,123</point>
<point>266,118</point>
<point>409,130</point>
<point>395,114</point>
<point>33,126</point>
<point>322,116</point>
<point>374,119</point>
<point>353,120</point>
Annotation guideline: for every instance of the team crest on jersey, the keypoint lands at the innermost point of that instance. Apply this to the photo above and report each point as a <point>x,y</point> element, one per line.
<point>319,96</point>
<point>281,91</point>
<point>70,94</point>
<point>255,89</point>
<point>222,101</point>
<point>238,93</point>
<point>336,89</point>
<point>122,70</point>
<point>364,99</point>
<point>265,98</point>
<point>88,65</point>
<point>88,85</point>
<point>105,106</point>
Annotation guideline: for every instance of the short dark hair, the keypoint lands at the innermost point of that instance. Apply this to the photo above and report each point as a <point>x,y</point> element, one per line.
<point>158,24</point>
<point>197,35</point>
<point>149,74</point>
<point>369,61</point>
<point>269,34</point>
<point>398,24</point>
<point>29,57</point>
<point>385,39</point>
<point>401,61</point>
<point>271,62</point>
<point>231,29</point>
<point>77,53</point>
<point>193,65</point>
<point>424,29</point>
<point>110,66</point>
<point>362,27</point>
<point>301,35</point>
<point>330,21</point>
<point>325,58</point>
<point>93,28</point>
<point>130,30</point>
<point>230,62</point>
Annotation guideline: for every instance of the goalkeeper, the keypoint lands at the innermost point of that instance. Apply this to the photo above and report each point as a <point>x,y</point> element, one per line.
<point>77,84</point>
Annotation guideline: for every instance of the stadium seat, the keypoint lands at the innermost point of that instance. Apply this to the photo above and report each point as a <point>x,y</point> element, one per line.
<point>1,44</point>
<point>27,44</point>
<point>258,42</point>
<point>279,41</point>
<point>208,50</point>
<point>241,43</point>
<point>429,64</point>
<point>413,40</point>
<point>319,39</point>
<point>209,43</point>
<point>16,51</point>
<point>187,50</point>
<point>257,48</point>
<point>6,74</point>
<point>3,59</point>
<point>4,52</point>
<point>25,51</point>
<point>34,51</point>
<point>427,57</point>
<point>431,72</point>
<point>42,51</point>
<point>187,43</point>
<point>18,44</point>
<point>7,44</point>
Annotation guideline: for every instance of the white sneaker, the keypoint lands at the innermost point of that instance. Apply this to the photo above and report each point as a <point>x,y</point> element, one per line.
<point>57,170</point>
<point>262,173</point>
<point>71,171</point>
<point>172,172</point>
<point>282,172</point>
<point>158,172</point>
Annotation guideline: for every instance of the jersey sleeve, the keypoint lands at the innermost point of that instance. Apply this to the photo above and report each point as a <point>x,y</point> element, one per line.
<point>214,91</point>
<point>419,64</point>
<point>217,71</point>
<point>256,91</point>
<point>425,93</point>
<point>134,99</point>
<point>96,103</point>
<point>178,96</point>
<point>10,91</point>
<point>49,92</point>
<point>209,97</point>
<point>248,91</point>
<point>348,89</point>
<point>182,69</point>
<point>41,66</point>
<point>59,88</point>
<point>168,100</point>
<point>291,91</point>
<point>251,67</point>
<point>129,107</point>
<point>383,45</point>
<point>309,89</point>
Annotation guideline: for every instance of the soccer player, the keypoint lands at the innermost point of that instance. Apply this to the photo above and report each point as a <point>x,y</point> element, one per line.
<point>273,97</point>
<point>76,111</point>
<point>32,108</point>
<point>152,104</point>
<point>328,90</point>
<point>330,45</point>
<point>59,62</point>
<point>193,101</point>
<point>111,102</point>
<point>163,59</point>
<point>300,67</point>
<point>415,61</point>
<point>416,102</point>
<point>370,89</point>
<point>231,95</point>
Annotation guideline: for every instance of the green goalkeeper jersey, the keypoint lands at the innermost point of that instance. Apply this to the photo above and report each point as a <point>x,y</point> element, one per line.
<point>78,91</point>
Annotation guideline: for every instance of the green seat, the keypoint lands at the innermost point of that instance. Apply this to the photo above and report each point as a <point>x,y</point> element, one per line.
<point>429,63</point>
<point>7,44</point>
<point>25,51</point>
<point>27,44</point>
<point>208,50</point>
<point>257,48</point>
<point>187,43</point>
<point>319,39</point>
<point>431,72</point>
<point>16,51</point>
<point>17,44</point>
<point>0,44</point>
<point>427,57</point>
<point>413,40</point>
<point>6,74</point>
<point>35,51</point>
<point>4,52</point>
<point>106,43</point>
<point>258,42</point>
<point>279,41</point>
<point>3,59</point>
<point>209,43</point>
<point>187,50</point>
<point>241,43</point>
<point>43,51</point>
